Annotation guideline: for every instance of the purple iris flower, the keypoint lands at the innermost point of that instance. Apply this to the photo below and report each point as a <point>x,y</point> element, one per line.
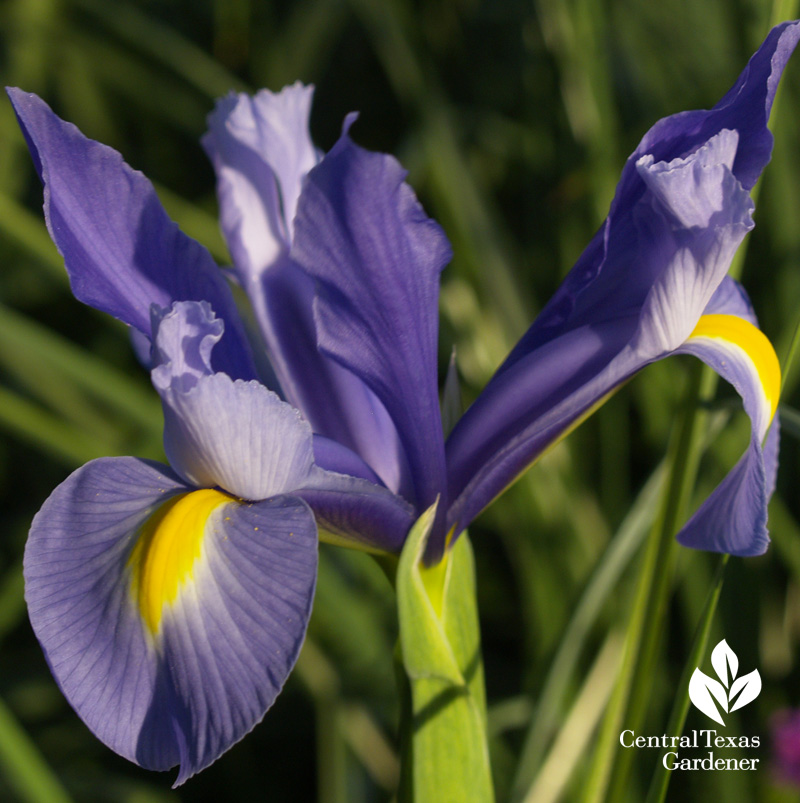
<point>171,601</point>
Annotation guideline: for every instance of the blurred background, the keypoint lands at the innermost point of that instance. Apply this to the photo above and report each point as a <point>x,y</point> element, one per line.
<point>514,119</point>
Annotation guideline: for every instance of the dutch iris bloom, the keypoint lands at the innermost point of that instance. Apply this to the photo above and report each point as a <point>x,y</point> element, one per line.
<point>171,601</point>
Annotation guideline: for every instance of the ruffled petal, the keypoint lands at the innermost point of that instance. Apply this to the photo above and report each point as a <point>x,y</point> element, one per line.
<point>608,267</point>
<point>219,432</point>
<point>261,150</point>
<point>733,519</point>
<point>121,251</point>
<point>169,617</point>
<point>705,215</point>
<point>376,257</point>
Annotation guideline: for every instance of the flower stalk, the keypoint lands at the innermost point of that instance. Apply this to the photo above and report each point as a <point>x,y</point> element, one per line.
<point>443,729</point>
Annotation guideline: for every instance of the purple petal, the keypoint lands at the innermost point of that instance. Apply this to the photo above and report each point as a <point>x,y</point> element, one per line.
<point>185,687</point>
<point>637,292</point>
<point>733,519</point>
<point>92,637</point>
<point>261,150</point>
<point>357,513</point>
<point>603,266</point>
<point>335,401</point>
<point>219,432</point>
<point>529,407</point>
<point>704,214</point>
<point>376,256</point>
<point>731,298</point>
<point>121,251</point>
<point>333,456</point>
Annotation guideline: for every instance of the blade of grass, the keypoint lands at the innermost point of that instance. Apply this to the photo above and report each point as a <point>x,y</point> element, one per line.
<point>23,765</point>
<point>579,725</point>
<point>32,344</point>
<point>29,231</point>
<point>475,228</point>
<point>616,559</point>
<point>31,423</point>
<point>645,628</point>
<point>662,776</point>
<point>12,601</point>
<point>165,46</point>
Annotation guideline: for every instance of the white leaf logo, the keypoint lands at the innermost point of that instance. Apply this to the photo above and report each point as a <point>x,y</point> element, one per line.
<point>748,687</point>
<point>730,692</point>
<point>701,687</point>
<point>723,657</point>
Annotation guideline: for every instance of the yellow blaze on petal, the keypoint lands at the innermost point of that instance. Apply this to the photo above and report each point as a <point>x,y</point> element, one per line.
<point>169,545</point>
<point>755,344</point>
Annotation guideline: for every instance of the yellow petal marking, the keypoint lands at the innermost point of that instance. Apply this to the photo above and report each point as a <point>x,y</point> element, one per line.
<point>169,545</point>
<point>753,342</point>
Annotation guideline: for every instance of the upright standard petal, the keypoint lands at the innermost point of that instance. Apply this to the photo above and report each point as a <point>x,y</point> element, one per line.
<point>261,150</point>
<point>680,211</point>
<point>376,258</point>
<point>121,250</point>
<point>169,616</point>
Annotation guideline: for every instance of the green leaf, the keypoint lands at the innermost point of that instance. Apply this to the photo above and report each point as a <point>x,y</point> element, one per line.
<point>677,719</point>
<point>448,757</point>
<point>23,766</point>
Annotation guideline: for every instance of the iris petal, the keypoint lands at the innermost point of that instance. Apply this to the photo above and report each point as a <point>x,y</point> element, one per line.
<point>354,512</point>
<point>733,519</point>
<point>376,257</point>
<point>77,590</point>
<point>121,250</point>
<point>220,432</point>
<point>636,294</point>
<point>710,214</point>
<point>262,150</point>
<point>168,670</point>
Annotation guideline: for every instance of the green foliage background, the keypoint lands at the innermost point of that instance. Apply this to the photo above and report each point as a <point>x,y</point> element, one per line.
<point>514,119</point>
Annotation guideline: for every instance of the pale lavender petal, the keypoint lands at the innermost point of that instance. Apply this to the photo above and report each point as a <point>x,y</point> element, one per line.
<point>261,150</point>
<point>219,432</point>
<point>234,634</point>
<point>79,602</point>
<point>710,213</point>
<point>186,687</point>
<point>731,298</point>
<point>237,435</point>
